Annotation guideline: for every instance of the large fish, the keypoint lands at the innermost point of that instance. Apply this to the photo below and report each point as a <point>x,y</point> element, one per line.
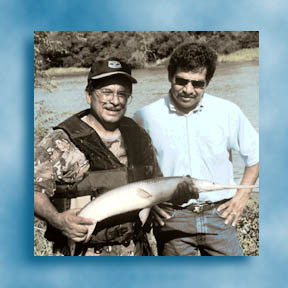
<point>142,195</point>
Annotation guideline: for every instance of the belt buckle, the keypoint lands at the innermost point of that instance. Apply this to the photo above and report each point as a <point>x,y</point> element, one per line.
<point>198,209</point>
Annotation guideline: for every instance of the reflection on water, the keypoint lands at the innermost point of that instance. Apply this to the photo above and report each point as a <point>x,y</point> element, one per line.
<point>237,82</point>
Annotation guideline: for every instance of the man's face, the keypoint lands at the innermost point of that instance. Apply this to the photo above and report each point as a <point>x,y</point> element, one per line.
<point>187,95</point>
<point>109,102</point>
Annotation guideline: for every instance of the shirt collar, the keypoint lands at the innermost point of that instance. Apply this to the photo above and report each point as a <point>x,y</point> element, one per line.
<point>172,107</point>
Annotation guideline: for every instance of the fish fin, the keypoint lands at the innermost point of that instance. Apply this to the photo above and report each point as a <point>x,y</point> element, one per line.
<point>72,246</point>
<point>143,193</point>
<point>90,231</point>
<point>144,214</point>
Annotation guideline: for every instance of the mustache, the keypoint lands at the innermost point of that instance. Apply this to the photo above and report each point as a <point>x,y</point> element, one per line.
<point>188,95</point>
<point>112,107</point>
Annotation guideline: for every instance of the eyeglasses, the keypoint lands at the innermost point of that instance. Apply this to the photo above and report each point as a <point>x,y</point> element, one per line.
<point>107,95</point>
<point>195,83</point>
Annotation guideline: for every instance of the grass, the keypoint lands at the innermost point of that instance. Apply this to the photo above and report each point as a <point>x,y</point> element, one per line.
<point>61,71</point>
<point>243,55</point>
<point>248,227</point>
<point>42,247</point>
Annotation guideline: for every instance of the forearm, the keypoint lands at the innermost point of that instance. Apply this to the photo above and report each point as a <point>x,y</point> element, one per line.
<point>43,208</point>
<point>235,206</point>
<point>250,176</point>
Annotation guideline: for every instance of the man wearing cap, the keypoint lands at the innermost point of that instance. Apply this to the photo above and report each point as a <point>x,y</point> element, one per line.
<point>89,153</point>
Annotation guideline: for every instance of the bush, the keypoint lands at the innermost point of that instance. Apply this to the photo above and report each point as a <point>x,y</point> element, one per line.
<point>79,49</point>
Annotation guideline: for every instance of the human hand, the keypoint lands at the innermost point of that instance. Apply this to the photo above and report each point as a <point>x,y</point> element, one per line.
<point>159,214</point>
<point>184,192</point>
<point>72,225</point>
<point>234,207</point>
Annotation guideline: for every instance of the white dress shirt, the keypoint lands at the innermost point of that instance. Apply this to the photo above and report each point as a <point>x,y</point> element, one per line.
<point>197,143</point>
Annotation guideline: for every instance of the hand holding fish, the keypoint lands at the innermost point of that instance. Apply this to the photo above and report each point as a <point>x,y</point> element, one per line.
<point>74,226</point>
<point>184,192</point>
<point>159,214</point>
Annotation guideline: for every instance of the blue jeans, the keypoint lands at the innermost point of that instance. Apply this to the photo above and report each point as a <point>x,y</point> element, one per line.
<point>187,234</point>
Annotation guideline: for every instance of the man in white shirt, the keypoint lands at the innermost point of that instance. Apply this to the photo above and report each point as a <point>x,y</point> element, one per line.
<point>194,133</point>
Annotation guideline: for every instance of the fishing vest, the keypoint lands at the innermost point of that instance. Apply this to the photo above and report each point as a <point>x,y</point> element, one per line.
<point>106,172</point>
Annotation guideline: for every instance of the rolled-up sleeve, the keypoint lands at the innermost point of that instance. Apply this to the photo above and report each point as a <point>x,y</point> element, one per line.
<point>244,137</point>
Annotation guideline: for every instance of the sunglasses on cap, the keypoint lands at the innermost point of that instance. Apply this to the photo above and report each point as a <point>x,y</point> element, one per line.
<point>195,83</point>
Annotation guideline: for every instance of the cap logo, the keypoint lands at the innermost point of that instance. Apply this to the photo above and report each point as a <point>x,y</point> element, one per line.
<point>114,64</point>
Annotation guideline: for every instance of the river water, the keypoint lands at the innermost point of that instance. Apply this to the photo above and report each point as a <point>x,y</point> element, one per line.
<point>237,82</point>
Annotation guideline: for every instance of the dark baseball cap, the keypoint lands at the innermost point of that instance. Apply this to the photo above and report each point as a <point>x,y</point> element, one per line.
<point>111,66</point>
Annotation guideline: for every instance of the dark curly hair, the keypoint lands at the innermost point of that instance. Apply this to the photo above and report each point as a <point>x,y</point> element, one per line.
<point>192,57</point>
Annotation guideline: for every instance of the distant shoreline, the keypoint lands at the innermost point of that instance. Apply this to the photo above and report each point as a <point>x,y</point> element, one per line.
<point>243,55</point>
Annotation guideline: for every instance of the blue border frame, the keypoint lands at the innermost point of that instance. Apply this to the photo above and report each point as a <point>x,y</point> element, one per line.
<point>18,268</point>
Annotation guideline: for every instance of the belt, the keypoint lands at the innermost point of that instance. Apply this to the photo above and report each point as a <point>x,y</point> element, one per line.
<point>198,208</point>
